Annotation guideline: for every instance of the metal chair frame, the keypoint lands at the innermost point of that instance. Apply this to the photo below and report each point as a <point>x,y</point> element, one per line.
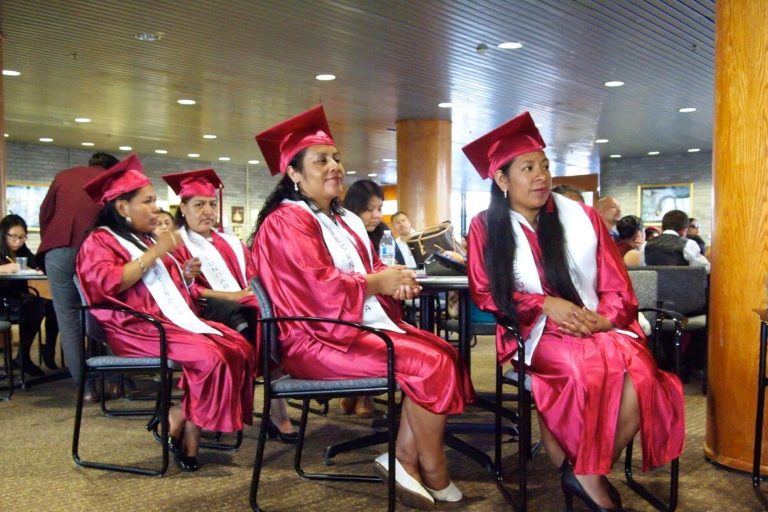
<point>163,400</point>
<point>270,355</point>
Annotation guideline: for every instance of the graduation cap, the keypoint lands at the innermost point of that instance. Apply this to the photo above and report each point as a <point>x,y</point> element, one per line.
<point>499,146</point>
<point>280,143</point>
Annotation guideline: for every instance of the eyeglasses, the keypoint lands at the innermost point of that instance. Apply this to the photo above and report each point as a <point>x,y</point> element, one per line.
<point>22,238</point>
<point>693,226</point>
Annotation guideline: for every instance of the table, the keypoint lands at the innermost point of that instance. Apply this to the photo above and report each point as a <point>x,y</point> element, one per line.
<point>432,285</point>
<point>30,277</point>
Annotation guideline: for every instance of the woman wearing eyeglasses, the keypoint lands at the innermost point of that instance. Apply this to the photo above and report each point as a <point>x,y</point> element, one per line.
<point>18,305</point>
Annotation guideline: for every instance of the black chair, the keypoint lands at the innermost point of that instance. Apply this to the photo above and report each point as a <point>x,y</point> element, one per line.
<point>306,390</point>
<point>12,310</point>
<point>105,363</point>
<point>684,290</point>
<point>644,281</point>
<point>108,364</point>
<point>5,334</point>
<point>524,400</point>
<point>645,284</point>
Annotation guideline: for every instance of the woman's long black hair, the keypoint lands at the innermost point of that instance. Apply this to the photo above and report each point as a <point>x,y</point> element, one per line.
<point>285,189</point>
<point>356,201</point>
<point>9,222</point>
<point>500,252</point>
<point>109,217</point>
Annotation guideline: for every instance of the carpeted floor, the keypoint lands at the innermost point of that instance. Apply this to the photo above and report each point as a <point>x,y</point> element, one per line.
<point>37,472</point>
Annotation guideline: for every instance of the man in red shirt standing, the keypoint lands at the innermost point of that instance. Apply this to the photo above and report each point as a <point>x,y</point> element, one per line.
<point>66,215</point>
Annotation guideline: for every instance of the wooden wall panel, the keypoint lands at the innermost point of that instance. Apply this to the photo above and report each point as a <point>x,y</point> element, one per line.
<point>740,235</point>
<point>424,170</point>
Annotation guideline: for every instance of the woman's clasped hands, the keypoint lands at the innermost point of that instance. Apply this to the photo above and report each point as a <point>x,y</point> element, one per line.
<point>397,281</point>
<point>574,320</point>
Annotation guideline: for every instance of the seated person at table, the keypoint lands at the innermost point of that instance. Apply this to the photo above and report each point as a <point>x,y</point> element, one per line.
<point>225,267</point>
<point>315,259</point>
<point>20,305</point>
<point>548,264</point>
<point>121,263</point>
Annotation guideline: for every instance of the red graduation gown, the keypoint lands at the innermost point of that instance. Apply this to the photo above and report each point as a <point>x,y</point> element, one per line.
<point>577,382</point>
<point>298,272</point>
<point>217,371</point>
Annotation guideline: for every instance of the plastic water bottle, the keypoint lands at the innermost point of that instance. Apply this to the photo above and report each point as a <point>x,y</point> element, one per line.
<point>387,248</point>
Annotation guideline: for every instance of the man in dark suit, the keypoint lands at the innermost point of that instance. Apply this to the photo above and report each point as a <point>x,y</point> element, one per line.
<point>671,247</point>
<point>66,215</point>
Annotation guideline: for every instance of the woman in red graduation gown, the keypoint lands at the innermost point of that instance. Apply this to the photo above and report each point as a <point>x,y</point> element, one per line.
<point>315,259</point>
<point>548,264</point>
<point>121,263</point>
<point>226,268</point>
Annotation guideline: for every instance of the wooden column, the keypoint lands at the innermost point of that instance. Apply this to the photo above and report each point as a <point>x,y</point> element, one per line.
<point>424,170</point>
<point>3,175</point>
<point>740,235</point>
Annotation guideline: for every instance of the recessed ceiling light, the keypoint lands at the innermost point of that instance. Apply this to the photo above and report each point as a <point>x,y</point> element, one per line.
<point>685,110</point>
<point>11,72</point>
<point>87,144</point>
<point>351,172</point>
<point>615,156</point>
<point>148,37</point>
<point>209,136</point>
<point>614,83</point>
<point>224,159</point>
<point>446,104</point>
<point>45,139</point>
<point>601,141</point>
<point>186,101</point>
<point>6,134</point>
<point>193,155</point>
<point>510,45</point>
<point>373,175</point>
<point>161,151</point>
<point>82,119</point>
<point>125,148</point>
<point>388,160</point>
<point>694,150</point>
<point>654,153</point>
<point>325,77</point>
<point>253,162</point>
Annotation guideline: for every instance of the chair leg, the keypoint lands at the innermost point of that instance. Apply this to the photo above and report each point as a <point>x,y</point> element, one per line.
<point>644,493</point>
<point>253,499</point>
<point>8,359</point>
<point>162,412</point>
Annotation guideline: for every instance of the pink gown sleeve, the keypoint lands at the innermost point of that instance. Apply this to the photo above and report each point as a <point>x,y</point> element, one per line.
<point>528,305</point>
<point>299,274</point>
<point>614,288</point>
<point>100,263</point>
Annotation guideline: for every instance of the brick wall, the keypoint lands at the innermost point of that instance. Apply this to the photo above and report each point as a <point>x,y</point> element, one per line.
<point>244,185</point>
<point>621,177</point>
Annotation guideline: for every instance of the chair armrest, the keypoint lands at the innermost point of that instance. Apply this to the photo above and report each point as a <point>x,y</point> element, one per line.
<point>679,321</point>
<point>381,334</point>
<point>132,312</point>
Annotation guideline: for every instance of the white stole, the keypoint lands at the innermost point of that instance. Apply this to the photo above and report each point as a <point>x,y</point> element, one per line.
<point>163,289</point>
<point>581,253</point>
<point>212,264</point>
<point>341,246</point>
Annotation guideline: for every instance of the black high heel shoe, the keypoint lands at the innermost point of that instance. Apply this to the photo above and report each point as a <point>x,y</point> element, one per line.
<point>284,437</point>
<point>572,487</point>
<point>186,463</point>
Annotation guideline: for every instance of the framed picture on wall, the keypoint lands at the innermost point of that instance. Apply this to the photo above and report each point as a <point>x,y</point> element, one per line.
<point>657,199</point>
<point>238,214</point>
<point>24,199</point>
